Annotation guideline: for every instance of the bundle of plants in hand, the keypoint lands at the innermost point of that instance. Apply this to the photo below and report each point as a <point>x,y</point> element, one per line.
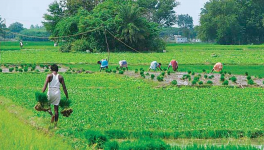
<point>42,102</point>
<point>65,105</point>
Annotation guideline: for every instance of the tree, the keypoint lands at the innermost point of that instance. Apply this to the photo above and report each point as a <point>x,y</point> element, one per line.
<point>232,22</point>
<point>53,17</point>
<point>159,11</point>
<point>185,21</point>
<point>16,27</point>
<point>2,26</point>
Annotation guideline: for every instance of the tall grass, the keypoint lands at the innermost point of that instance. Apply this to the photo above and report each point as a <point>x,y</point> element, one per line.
<point>14,134</point>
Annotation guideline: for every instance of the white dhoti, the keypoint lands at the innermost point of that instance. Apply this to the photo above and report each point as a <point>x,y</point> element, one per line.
<point>54,96</point>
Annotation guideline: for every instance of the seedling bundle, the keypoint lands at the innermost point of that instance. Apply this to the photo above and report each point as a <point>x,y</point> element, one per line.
<point>65,105</point>
<point>43,104</point>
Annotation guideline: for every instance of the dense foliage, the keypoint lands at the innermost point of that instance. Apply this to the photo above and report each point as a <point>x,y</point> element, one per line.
<point>232,22</point>
<point>125,20</point>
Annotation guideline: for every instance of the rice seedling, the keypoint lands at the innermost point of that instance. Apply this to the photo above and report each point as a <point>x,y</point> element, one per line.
<point>233,79</point>
<point>225,82</point>
<point>200,82</point>
<point>251,82</point>
<point>174,82</point>
<point>209,82</point>
<point>152,76</point>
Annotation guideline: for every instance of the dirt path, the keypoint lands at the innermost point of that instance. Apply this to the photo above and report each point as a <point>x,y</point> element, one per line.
<point>241,80</point>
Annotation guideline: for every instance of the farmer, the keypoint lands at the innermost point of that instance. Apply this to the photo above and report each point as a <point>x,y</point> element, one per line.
<point>53,81</point>
<point>21,44</point>
<point>174,65</point>
<point>217,67</point>
<point>103,63</point>
<point>123,63</point>
<point>154,65</point>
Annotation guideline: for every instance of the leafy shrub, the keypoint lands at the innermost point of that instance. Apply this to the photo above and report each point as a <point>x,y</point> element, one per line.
<point>189,72</point>
<point>248,77</point>
<point>200,82</point>
<point>211,77</point>
<point>174,82</point>
<point>222,78</point>
<point>205,76</point>
<point>233,79</point>
<point>194,82</point>
<point>11,69</point>
<point>168,72</point>
<point>26,69</point>
<point>95,137</point>
<point>250,82</point>
<point>66,47</point>
<point>80,45</point>
<point>186,76</point>
<point>113,145</point>
<point>160,78</point>
<point>246,73</point>
<point>152,76</point>
<point>225,82</point>
<point>136,70</point>
<point>196,78</point>
<point>209,82</point>
<point>121,72</point>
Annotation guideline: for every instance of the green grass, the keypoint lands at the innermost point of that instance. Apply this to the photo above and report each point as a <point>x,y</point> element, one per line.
<point>15,134</point>
<point>10,46</point>
<point>126,107</point>
<point>184,54</point>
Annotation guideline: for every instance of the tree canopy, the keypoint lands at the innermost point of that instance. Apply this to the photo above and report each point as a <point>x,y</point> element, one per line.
<point>232,22</point>
<point>125,20</point>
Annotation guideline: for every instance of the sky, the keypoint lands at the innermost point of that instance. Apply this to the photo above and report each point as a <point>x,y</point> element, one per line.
<point>30,12</point>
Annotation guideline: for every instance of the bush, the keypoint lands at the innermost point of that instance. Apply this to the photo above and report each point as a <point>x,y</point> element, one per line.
<point>200,82</point>
<point>222,78</point>
<point>95,137</point>
<point>225,82</point>
<point>209,82</point>
<point>152,76</point>
<point>174,82</point>
<point>111,145</point>
<point>168,72</point>
<point>250,82</point>
<point>233,79</point>
<point>160,78</point>
<point>136,70</point>
<point>121,72</point>
<point>205,76</point>
<point>248,77</point>
<point>246,73</point>
<point>211,77</point>
<point>66,47</point>
<point>11,69</point>
<point>80,45</point>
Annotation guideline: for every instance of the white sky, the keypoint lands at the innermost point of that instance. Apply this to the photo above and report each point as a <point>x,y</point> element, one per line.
<point>30,12</point>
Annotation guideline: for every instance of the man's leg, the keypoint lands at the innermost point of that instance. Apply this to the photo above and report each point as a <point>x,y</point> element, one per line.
<point>56,110</point>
